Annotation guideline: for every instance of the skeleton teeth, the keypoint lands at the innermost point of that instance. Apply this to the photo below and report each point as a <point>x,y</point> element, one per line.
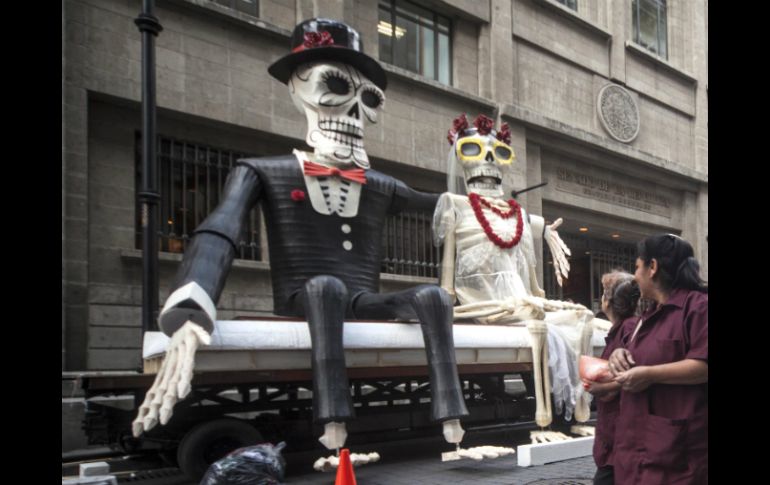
<point>341,126</point>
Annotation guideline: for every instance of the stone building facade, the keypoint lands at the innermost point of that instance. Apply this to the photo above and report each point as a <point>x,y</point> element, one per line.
<point>619,133</point>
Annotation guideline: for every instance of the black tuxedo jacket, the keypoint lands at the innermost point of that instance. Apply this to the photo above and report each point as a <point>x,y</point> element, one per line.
<point>303,243</point>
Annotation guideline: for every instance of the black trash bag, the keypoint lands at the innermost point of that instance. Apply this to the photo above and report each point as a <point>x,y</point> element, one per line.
<point>252,465</point>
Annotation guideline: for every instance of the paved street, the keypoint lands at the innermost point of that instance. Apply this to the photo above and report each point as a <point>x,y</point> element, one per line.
<point>465,472</point>
<point>419,462</point>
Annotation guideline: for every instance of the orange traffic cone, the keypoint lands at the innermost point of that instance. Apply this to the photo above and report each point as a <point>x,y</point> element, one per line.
<point>345,474</point>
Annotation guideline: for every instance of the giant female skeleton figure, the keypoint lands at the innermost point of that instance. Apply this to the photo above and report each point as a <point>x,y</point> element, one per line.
<point>489,257</point>
<point>324,215</point>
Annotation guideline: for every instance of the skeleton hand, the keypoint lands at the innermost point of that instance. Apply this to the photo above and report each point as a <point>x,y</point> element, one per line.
<point>174,377</point>
<point>559,251</point>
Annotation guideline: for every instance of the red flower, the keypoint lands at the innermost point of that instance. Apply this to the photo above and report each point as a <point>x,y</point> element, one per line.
<point>484,124</point>
<point>314,39</point>
<point>504,134</point>
<point>477,201</point>
<point>459,125</point>
<point>297,195</point>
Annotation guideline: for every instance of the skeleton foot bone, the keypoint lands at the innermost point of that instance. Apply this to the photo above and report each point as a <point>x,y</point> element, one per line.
<point>543,436</point>
<point>583,430</point>
<point>324,464</point>
<point>477,453</point>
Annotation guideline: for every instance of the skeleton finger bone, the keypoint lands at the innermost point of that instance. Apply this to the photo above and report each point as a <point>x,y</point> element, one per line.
<point>138,427</point>
<point>152,417</point>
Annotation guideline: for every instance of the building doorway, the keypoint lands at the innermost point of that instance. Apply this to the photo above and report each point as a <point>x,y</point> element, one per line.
<point>591,258</point>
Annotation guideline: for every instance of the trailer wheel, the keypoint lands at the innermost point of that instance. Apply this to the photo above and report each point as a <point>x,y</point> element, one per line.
<point>209,441</point>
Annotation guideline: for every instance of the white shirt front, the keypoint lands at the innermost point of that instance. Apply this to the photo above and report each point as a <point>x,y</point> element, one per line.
<point>332,195</point>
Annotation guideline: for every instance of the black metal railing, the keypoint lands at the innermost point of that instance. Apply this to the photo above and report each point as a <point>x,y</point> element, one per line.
<point>408,246</point>
<point>192,177</point>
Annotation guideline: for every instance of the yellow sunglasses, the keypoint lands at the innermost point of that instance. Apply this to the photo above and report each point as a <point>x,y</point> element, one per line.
<point>474,150</point>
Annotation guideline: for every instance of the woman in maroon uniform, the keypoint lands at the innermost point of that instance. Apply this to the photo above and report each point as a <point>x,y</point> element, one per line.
<point>662,425</point>
<point>619,302</point>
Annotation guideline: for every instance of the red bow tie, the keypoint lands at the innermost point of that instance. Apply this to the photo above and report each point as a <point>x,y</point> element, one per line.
<point>316,170</point>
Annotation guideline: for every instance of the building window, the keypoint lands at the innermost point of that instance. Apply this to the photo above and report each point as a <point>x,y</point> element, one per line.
<point>416,39</point>
<point>569,4</point>
<point>649,22</point>
<point>250,7</point>
<point>190,182</point>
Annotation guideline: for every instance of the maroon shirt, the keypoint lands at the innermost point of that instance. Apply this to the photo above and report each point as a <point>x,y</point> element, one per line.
<point>607,412</point>
<point>662,432</point>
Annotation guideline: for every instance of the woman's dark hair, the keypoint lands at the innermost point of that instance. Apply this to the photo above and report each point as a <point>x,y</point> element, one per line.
<point>625,299</point>
<point>677,265</point>
<point>622,294</point>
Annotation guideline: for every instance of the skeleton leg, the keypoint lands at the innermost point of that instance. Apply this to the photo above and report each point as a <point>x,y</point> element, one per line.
<point>582,406</point>
<point>432,306</point>
<point>537,331</point>
<point>547,378</point>
<point>324,300</point>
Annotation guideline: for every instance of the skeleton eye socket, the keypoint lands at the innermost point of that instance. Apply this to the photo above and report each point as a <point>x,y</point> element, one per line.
<point>337,84</point>
<point>470,149</point>
<point>503,153</point>
<point>371,98</point>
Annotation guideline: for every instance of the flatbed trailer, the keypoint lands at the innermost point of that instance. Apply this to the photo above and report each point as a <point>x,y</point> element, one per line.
<point>254,384</point>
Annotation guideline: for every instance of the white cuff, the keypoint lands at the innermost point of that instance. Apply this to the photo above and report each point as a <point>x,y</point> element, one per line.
<point>190,302</point>
<point>537,224</point>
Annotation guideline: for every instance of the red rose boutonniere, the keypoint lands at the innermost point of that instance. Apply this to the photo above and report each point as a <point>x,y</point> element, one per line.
<point>297,195</point>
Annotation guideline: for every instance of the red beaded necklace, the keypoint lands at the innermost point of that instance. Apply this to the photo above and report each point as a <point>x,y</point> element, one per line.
<point>477,201</point>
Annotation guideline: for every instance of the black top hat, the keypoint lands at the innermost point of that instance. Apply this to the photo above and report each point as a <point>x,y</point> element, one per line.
<point>325,39</point>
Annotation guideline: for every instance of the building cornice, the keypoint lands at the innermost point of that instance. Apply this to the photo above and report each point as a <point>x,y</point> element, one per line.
<point>535,120</point>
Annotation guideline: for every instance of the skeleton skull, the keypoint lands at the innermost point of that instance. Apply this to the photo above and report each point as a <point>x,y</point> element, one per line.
<point>483,158</point>
<point>336,98</point>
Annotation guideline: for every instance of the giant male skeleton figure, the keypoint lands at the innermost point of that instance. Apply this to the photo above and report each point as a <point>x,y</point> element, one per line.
<point>324,213</point>
<point>489,259</point>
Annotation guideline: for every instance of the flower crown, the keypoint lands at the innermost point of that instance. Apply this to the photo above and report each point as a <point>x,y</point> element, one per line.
<point>484,126</point>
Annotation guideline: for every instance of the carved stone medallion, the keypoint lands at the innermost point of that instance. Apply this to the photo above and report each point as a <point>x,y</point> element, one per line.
<point>618,112</point>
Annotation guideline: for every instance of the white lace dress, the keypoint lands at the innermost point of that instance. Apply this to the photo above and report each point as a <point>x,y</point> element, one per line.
<point>483,270</point>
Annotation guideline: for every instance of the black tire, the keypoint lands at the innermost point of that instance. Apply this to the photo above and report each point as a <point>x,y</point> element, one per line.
<point>169,457</point>
<point>209,441</point>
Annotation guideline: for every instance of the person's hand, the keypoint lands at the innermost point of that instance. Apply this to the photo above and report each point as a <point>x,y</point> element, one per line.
<point>596,388</point>
<point>635,379</point>
<point>174,378</point>
<point>589,386</point>
<point>620,361</point>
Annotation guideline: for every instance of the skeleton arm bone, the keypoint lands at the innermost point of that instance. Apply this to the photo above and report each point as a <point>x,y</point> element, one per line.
<point>443,228</point>
<point>189,314</point>
<point>448,265</point>
<point>406,198</point>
